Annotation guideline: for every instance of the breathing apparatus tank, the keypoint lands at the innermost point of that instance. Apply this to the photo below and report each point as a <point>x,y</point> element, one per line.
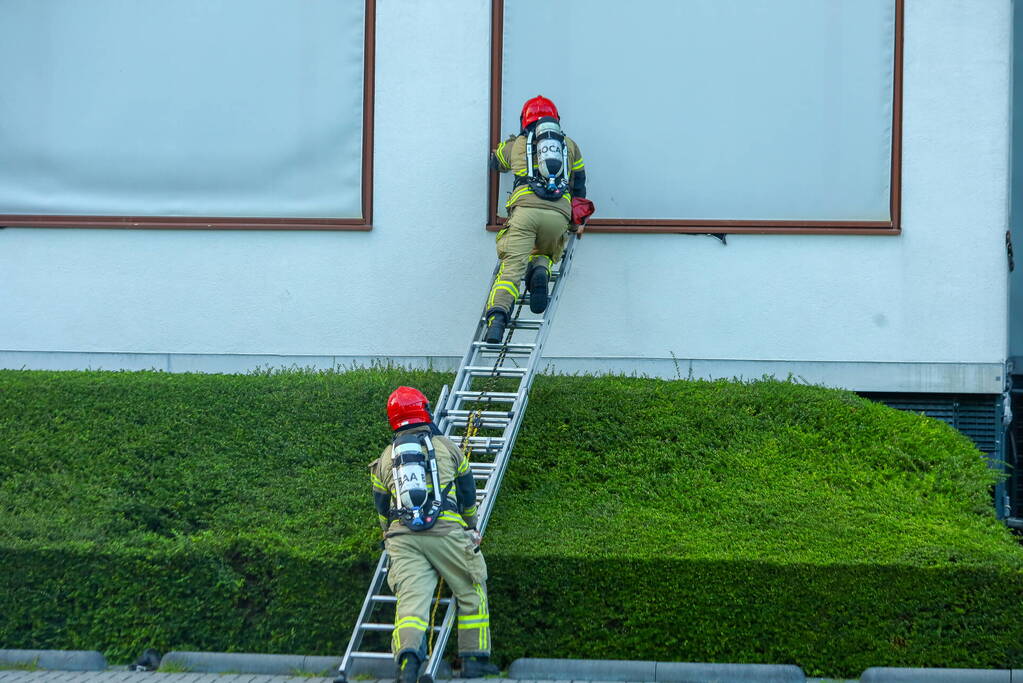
<point>415,481</point>
<point>550,180</point>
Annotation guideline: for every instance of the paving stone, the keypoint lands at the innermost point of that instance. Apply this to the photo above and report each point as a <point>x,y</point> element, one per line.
<point>80,676</point>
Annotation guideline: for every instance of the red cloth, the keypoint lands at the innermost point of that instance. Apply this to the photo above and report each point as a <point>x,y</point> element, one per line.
<point>581,210</point>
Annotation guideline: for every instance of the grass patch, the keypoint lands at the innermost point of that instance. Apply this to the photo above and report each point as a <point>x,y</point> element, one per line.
<point>639,519</point>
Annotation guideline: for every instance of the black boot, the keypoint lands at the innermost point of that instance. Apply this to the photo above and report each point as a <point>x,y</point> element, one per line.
<point>147,661</point>
<point>536,283</point>
<point>478,666</point>
<point>408,668</point>
<point>495,327</point>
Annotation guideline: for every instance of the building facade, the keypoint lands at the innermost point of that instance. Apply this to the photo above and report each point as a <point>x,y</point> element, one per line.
<point>208,187</point>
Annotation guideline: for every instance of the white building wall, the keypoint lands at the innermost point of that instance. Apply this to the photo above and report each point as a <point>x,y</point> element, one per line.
<point>924,311</point>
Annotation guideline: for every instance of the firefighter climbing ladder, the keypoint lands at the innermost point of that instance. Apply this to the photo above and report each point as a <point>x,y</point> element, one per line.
<point>485,422</point>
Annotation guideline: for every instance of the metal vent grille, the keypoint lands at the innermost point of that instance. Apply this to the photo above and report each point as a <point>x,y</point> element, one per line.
<point>976,416</point>
<point>979,417</point>
<point>1013,450</point>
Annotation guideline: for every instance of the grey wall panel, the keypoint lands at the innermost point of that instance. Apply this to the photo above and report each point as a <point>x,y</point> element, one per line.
<point>1015,302</point>
<point>716,109</point>
<point>184,108</point>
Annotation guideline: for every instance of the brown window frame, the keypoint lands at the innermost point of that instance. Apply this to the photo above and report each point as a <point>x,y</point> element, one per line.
<point>893,226</point>
<point>242,223</point>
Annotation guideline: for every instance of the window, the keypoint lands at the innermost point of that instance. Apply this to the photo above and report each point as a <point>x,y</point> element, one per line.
<point>187,114</point>
<point>715,115</point>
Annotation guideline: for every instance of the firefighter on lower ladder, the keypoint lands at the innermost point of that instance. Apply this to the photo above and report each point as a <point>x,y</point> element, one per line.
<point>550,186</point>
<point>425,496</point>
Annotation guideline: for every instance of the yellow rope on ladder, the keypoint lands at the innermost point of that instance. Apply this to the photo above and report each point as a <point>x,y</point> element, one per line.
<point>433,615</point>
<point>472,424</point>
<point>471,429</point>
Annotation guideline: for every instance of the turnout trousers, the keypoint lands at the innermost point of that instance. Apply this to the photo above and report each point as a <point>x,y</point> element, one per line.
<point>528,229</point>
<point>416,561</point>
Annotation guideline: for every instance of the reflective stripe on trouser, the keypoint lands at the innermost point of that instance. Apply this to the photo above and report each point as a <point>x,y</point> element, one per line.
<point>416,560</point>
<point>528,228</point>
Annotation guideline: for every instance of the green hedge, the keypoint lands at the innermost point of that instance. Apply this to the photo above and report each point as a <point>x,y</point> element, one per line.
<point>639,519</point>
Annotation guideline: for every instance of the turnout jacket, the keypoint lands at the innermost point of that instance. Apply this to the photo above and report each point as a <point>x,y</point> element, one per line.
<point>510,156</point>
<point>452,468</point>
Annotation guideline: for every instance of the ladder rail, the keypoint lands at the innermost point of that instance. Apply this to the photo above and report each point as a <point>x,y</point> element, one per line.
<point>496,477</point>
<point>480,360</point>
<point>467,358</point>
<point>493,482</point>
<point>367,606</point>
<point>375,586</point>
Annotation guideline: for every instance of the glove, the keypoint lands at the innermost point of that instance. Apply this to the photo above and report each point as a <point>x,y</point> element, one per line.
<point>582,209</point>
<point>477,538</point>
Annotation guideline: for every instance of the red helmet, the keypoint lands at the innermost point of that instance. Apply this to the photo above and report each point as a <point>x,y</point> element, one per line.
<point>407,406</point>
<point>535,109</point>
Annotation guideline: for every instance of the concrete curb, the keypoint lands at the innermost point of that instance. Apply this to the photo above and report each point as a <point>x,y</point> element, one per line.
<point>674,672</point>
<point>59,660</point>
<point>881,674</point>
<point>282,665</point>
<point>241,662</point>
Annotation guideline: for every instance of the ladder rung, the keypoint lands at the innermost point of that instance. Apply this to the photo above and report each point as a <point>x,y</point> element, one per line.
<point>376,627</point>
<point>485,449</point>
<point>488,450</point>
<point>482,414</point>
<point>510,348</point>
<point>372,655</point>
<point>520,324</point>
<point>484,371</point>
<point>503,396</point>
<point>392,599</point>
<point>465,419</point>
<point>482,424</point>
<point>524,298</point>
<point>373,626</point>
<point>496,403</point>
<point>486,355</point>
<point>485,441</point>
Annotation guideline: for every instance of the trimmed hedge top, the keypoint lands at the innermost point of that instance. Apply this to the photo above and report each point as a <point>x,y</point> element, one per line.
<point>140,457</point>
<point>768,471</point>
<point>603,467</point>
<point>639,519</point>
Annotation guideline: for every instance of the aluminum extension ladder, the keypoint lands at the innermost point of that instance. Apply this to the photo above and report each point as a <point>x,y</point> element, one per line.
<point>492,418</point>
